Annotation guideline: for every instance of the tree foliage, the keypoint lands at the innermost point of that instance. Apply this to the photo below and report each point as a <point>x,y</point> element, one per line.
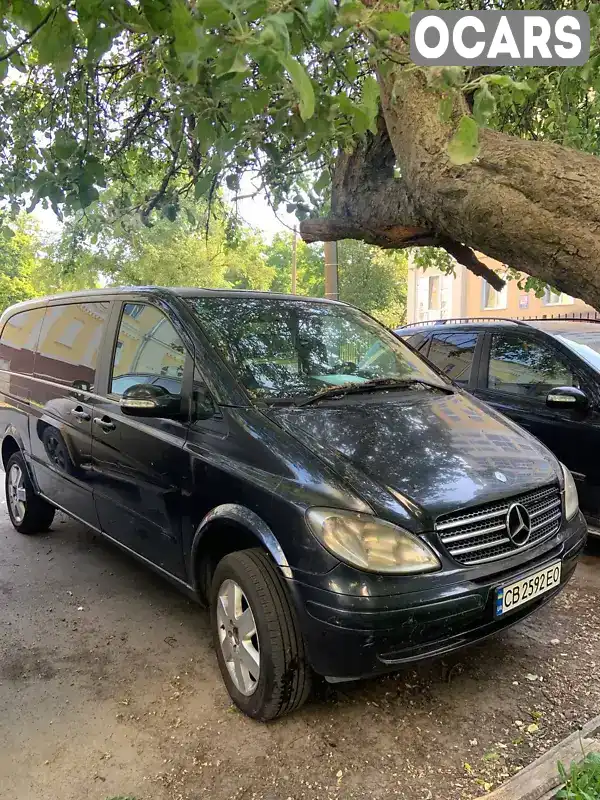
<point>98,89</point>
<point>374,280</point>
<point>176,98</point>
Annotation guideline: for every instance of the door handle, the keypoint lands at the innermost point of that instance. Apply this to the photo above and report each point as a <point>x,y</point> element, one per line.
<point>82,415</point>
<point>105,423</point>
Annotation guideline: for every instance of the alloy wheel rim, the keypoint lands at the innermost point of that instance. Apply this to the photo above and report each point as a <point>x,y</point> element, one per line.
<point>17,493</point>
<point>238,637</point>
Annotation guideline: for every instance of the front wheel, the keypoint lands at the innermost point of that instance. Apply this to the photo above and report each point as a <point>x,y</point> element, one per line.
<point>28,512</point>
<point>259,644</point>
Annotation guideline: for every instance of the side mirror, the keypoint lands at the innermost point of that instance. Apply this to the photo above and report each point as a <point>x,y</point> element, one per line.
<point>566,397</point>
<point>203,408</point>
<point>149,400</point>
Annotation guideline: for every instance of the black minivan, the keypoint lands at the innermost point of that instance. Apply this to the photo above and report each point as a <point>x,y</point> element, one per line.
<point>339,504</point>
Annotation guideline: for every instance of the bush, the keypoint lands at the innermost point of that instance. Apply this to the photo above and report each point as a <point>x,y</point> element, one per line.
<point>582,781</point>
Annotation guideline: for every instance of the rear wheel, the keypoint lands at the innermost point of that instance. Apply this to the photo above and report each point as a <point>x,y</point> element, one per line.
<point>257,637</point>
<point>28,512</point>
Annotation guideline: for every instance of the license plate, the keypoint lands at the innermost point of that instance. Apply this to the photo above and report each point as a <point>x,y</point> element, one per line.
<point>515,594</point>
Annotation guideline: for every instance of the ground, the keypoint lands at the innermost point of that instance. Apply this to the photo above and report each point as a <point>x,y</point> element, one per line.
<point>109,687</point>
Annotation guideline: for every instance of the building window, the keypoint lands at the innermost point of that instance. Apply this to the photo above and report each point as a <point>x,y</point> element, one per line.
<point>133,310</point>
<point>453,354</point>
<point>552,298</point>
<point>70,333</point>
<point>433,300</point>
<point>493,299</point>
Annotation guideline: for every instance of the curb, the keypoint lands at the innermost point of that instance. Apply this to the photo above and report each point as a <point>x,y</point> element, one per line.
<point>540,780</point>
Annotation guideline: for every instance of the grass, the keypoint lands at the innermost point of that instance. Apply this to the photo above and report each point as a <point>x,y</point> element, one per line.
<point>582,781</point>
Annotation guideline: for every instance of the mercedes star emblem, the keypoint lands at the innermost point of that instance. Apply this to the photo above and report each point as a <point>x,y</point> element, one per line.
<point>518,524</point>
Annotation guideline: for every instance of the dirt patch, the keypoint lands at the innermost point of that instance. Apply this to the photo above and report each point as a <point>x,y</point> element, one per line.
<point>108,686</point>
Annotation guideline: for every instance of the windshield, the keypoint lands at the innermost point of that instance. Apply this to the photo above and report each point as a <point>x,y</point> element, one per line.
<point>294,348</point>
<point>586,345</point>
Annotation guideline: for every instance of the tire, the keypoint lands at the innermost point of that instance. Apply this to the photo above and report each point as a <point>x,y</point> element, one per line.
<point>31,514</point>
<point>284,677</point>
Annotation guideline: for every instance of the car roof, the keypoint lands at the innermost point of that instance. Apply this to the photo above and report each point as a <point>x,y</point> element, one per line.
<point>551,326</point>
<point>165,292</point>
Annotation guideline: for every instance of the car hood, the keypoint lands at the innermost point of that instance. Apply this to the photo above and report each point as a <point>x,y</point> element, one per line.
<point>438,452</point>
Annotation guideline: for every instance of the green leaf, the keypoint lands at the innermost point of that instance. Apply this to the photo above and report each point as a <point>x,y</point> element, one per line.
<point>157,14</point>
<point>185,39</point>
<point>175,128</point>
<point>170,212</point>
<point>6,232</point>
<point>396,22</point>
<point>446,108</point>
<point>351,69</point>
<point>484,105</point>
<point>54,42</point>
<point>323,181</point>
<point>259,100</point>
<point>370,101</point>
<point>275,33</point>
<point>499,80</point>
<point>65,144</point>
<point>302,84</point>
<point>241,110</point>
<point>203,184</point>
<point>463,147</point>
<point>87,195</point>
<point>453,76</point>
<point>26,14</point>
<point>231,61</point>
<point>320,15</point>
<point>215,12</point>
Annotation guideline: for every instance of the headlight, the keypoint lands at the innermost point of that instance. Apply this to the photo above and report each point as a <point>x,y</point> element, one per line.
<point>369,543</point>
<point>571,498</point>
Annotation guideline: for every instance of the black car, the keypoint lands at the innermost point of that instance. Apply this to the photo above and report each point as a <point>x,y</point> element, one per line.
<point>544,374</point>
<point>341,506</point>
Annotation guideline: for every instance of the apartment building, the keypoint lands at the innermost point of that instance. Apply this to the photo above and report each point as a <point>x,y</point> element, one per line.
<point>433,295</point>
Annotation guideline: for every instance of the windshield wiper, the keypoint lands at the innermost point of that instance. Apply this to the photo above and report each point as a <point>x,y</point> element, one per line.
<point>372,386</point>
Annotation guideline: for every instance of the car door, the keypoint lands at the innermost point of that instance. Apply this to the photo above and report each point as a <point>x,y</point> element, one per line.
<point>518,370</point>
<point>142,471</point>
<point>62,403</point>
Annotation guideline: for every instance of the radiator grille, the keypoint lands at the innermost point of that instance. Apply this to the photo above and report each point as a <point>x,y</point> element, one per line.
<point>482,534</point>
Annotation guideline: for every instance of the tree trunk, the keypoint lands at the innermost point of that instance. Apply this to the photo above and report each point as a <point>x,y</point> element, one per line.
<point>531,205</point>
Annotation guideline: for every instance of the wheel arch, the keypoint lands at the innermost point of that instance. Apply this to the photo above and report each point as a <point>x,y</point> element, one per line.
<point>11,443</point>
<point>226,529</point>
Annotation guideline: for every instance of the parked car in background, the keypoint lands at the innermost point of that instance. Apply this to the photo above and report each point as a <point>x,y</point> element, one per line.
<point>337,503</point>
<point>544,374</point>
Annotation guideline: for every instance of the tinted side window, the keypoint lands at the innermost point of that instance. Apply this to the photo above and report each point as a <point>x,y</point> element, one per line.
<point>69,342</point>
<point>19,340</point>
<point>148,350</point>
<point>453,354</point>
<point>524,367</point>
<point>415,340</point>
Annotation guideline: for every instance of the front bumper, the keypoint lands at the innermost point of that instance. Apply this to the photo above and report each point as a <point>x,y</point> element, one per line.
<point>348,639</point>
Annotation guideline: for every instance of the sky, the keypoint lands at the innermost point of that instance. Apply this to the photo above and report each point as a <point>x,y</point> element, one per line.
<point>254,211</point>
<point>257,212</point>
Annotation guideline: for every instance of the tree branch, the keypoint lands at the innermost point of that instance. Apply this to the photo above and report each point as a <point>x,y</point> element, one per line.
<point>389,237</point>
<point>165,181</point>
<point>29,37</point>
<point>464,255</point>
<point>371,204</point>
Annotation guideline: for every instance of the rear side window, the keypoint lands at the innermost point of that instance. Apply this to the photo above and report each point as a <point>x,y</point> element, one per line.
<point>148,350</point>
<point>453,354</point>
<point>19,339</point>
<point>69,343</point>
<point>521,366</point>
